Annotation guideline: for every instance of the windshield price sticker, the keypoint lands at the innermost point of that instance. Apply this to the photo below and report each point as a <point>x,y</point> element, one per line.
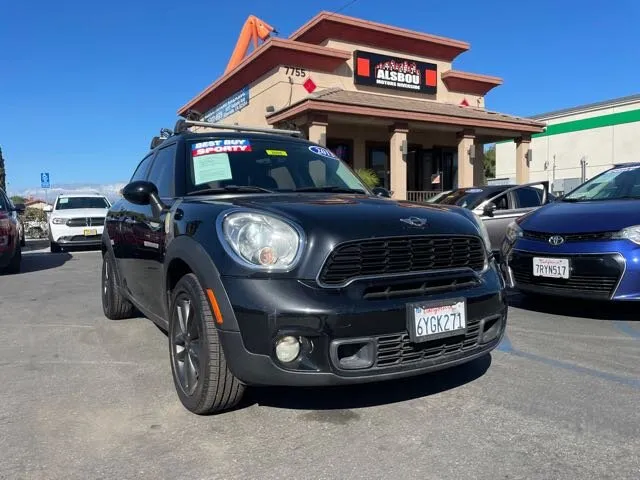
<point>439,321</point>
<point>324,152</point>
<point>221,146</point>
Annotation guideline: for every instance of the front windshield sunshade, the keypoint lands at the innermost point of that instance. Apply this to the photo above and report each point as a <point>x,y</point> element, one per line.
<point>224,165</point>
<point>615,184</point>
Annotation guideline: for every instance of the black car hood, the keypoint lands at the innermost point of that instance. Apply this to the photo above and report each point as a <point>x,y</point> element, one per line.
<point>583,217</point>
<point>347,217</point>
<point>330,219</point>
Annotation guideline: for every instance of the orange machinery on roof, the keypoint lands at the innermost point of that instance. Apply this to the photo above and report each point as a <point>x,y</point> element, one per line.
<point>253,29</point>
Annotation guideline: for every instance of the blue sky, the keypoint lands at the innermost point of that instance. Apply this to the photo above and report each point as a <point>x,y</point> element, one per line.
<point>84,85</point>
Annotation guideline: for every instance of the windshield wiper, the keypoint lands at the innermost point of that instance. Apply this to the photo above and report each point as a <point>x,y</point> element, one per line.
<point>329,188</point>
<point>232,188</point>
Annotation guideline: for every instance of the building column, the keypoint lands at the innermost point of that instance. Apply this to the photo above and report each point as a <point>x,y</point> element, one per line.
<point>479,179</point>
<point>522,165</point>
<point>465,167</point>
<point>317,129</point>
<point>398,160</point>
<point>359,153</point>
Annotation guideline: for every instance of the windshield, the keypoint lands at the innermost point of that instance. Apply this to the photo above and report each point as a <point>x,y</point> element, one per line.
<point>68,203</point>
<point>465,197</point>
<point>268,165</point>
<point>614,184</point>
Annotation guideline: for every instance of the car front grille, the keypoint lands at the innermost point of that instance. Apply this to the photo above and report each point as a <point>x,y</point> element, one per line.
<point>590,275</point>
<point>85,222</point>
<point>570,237</point>
<point>398,349</point>
<point>397,255</point>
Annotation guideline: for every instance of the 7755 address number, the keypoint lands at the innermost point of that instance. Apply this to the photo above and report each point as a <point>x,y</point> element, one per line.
<point>295,72</point>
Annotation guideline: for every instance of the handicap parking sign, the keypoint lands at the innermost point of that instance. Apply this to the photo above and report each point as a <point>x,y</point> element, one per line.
<point>44,180</point>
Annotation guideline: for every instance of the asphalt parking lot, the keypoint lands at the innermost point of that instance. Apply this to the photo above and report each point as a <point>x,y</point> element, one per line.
<point>88,398</point>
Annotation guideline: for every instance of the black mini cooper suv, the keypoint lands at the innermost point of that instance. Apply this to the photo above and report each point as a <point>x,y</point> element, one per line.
<point>269,262</point>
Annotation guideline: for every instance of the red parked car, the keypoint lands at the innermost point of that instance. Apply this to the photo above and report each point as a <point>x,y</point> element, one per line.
<point>10,247</point>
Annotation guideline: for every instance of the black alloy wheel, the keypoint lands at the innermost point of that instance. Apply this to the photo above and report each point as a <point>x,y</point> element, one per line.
<point>114,305</point>
<point>202,378</point>
<point>186,344</point>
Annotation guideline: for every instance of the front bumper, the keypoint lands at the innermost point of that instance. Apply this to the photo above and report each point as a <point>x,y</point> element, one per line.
<point>336,322</point>
<point>599,270</point>
<point>75,236</point>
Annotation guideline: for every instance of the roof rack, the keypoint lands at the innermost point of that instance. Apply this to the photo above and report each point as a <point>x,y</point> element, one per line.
<point>183,125</point>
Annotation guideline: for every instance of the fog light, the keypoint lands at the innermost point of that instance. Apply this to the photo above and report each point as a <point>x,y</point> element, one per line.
<point>287,349</point>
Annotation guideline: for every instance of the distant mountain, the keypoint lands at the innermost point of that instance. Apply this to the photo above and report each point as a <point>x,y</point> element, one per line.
<point>111,191</point>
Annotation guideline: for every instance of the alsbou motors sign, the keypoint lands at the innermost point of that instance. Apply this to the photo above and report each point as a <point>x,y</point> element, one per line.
<point>385,71</point>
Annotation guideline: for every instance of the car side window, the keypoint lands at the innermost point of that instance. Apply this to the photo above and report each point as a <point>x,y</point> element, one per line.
<point>143,169</point>
<point>162,171</point>
<point>4,205</point>
<point>528,197</point>
<point>502,202</point>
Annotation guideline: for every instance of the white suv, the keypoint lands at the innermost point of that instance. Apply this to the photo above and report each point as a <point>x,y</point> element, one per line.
<point>77,219</point>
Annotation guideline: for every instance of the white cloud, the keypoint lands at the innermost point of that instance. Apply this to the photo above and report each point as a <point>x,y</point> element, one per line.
<point>108,190</point>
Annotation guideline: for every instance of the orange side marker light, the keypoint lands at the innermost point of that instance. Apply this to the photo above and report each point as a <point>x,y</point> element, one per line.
<point>214,306</point>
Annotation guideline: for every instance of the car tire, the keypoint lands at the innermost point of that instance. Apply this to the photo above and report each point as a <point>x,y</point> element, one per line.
<point>207,385</point>
<point>16,261</point>
<point>114,305</point>
<point>55,248</point>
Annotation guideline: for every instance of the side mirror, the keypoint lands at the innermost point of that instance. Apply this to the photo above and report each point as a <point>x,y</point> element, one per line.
<point>489,208</point>
<point>144,193</point>
<point>381,192</point>
<point>19,207</point>
<point>47,208</point>
<point>139,192</point>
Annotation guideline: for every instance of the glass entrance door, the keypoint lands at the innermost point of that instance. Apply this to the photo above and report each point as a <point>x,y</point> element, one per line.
<point>441,169</point>
<point>378,161</point>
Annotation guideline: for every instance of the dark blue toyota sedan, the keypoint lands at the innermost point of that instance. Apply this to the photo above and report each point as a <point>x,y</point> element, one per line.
<point>586,244</point>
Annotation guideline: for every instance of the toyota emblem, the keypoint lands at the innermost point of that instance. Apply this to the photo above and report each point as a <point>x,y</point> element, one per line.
<point>556,240</point>
<point>414,221</point>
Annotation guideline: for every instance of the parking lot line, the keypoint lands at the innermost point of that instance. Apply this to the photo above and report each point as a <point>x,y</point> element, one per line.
<point>627,329</point>
<point>506,346</point>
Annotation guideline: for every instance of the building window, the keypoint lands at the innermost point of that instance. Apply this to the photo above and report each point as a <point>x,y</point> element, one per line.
<point>378,161</point>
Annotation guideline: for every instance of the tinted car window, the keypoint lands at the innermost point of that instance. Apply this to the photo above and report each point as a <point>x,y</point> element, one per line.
<point>162,171</point>
<point>142,170</point>
<point>4,206</point>
<point>528,197</point>
<point>502,202</point>
<point>270,164</point>
<point>467,198</point>
<point>67,203</point>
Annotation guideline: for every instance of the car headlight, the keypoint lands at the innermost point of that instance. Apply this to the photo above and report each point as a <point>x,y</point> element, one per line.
<point>58,221</point>
<point>484,233</point>
<point>262,241</point>
<point>629,233</point>
<point>513,232</point>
